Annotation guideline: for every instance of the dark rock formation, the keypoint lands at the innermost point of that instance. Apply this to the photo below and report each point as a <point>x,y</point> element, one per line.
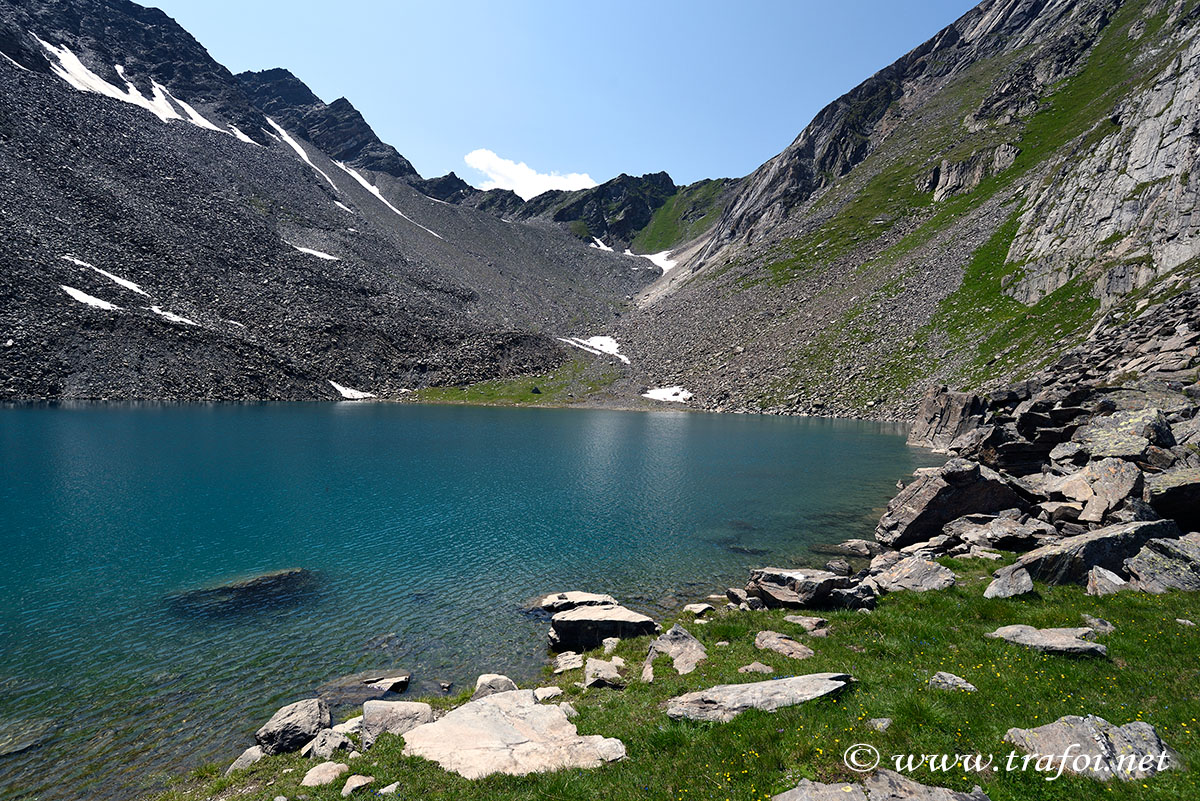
<point>931,501</point>
<point>255,593</point>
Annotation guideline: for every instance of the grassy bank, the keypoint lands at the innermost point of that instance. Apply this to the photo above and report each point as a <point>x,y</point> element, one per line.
<point>1151,674</point>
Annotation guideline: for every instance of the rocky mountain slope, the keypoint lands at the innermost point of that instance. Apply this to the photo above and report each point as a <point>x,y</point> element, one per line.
<point>962,217</point>
<point>165,236</point>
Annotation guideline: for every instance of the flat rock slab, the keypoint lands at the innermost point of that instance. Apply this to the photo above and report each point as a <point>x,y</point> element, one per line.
<point>698,609</point>
<point>562,601</point>
<point>685,651</point>
<point>1132,751</point>
<point>1069,560</point>
<point>568,660</point>
<point>809,624</point>
<point>509,733</point>
<point>774,587</point>
<point>1071,642</point>
<point>725,702</point>
<point>883,785</point>
<point>323,774</point>
<point>781,644</point>
<point>948,681</point>
<point>915,574</point>
<point>586,627</point>
<point>1101,581</point>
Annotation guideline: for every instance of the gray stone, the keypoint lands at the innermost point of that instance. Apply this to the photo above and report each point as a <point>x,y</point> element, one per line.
<point>756,667</point>
<point>586,627</point>
<point>1004,533</point>
<point>247,758</point>
<point>1132,751</point>
<point>698,609</point>
<point>568,660</point>
<point>1101,581</point>
<point>1176,494</point>
<point>781,644</point>
<point>489,683</point>
<point>948,681</point>
<point>509,733</point>
<point>915,574</point>
<point>357,688</point>
<point>684,650</point>
<point>1071,642</point>
<point>1125,435</point>
<point>1069,560</point>
<point>726,701</point>
<point>816,791</point>
<point>323,774</point>
<point>793,588</point>
<point>1009,583</point>
<point>292,726</point>
<point>392,717</point>
<point>610,644</point>
<point>810,624</point>
<point>1098,624</point>
<point>355,783</point>
<point>327,743</point>
<point>1183,621</point>
<point>880,724</point>
<point>562,601</point>
<point>390,789</point>
<point>1164,565</point>
<point>351,726</point>
<point>600,673</point>
<point>959,488</point>
<point>546,693</point>
<point>839,567</point>
<point>886,785</point>
<point>944,416</point>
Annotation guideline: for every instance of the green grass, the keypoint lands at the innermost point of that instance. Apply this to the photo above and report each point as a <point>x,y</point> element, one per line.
<point>571,383</point>
<point>688,213</point>
<point>1151,674</point>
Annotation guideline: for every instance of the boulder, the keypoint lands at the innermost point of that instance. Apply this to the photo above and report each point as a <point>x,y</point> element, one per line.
<point>698,609</point>
<point>1097,748</point>
<point>509,733</point>
<point>1071,642</point>
<point>247,758</point>
<point>839,567</point>
<point>351,726</point>
<point>323,774</point>
<point>293,726</point>
<point>392,717</point>
<point>355,783</point>
<point>585,627</point>
<point>1101,581</point>
<point>948,681</point>
<point>684,650</point>
<point>327,743</point>
<point>959,488</point>
<point>489,683</point>
<point>1164,565</point>
<point>390,789</point>
<point>775,587</point>
<point>724,702</point>
<point>1125,435</point>
<point>944,416</point>
<point>916,574</point>
<point>601,673</point>
<point>756,667</point>
<point>1069,560</point>
<point>1176,494</point>
<point>1003,533</point>
<point>562,601</point>
<point>781,644</point>
<point>1100,487</point>
<point>1009,583</point>
<point>279,588</point>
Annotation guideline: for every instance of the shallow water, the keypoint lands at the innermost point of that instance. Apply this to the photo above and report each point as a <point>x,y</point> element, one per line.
<point>429,528</point>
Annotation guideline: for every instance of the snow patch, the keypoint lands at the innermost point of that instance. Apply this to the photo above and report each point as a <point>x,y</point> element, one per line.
<point>73,71</point>
<point>294,145</point>
<point>174,318</point>
<point>660,259</point>
<point>343,206</point>
<point>601,346</point>
<point>90,300</point>
<point>668,394</point>
<point>241,137</point>
<point>317,253</point>
<point>235,322</point>
<point>10,60</point>
<point>195,117</point>
<point>596,243</point>
<point>374,190</point>
<point>351,394</point>
<point>116,279</point>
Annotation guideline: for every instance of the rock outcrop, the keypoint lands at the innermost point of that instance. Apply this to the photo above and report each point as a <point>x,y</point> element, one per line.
<point>1066,641</point>
<point>724,702</point>
<point>1091,746</point>
<point>586,627</point>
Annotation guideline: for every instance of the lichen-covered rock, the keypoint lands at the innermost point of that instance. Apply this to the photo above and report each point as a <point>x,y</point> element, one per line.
<point>1126,435</point>
<point>1070,642</point>
<point>915,574</point>
<point>1164,565</point>
<point>1069,560</point>
<point>724,702</point>
<point>1097,748</point>
<point>1176,494</point>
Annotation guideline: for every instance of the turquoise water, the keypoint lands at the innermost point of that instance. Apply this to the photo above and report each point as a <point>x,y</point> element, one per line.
<point>429,527</point>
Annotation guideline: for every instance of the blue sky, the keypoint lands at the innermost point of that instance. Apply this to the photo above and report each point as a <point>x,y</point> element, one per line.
<point>700,89</point>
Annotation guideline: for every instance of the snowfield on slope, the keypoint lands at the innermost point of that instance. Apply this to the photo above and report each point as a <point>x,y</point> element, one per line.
<point>668,394</point>
<point>350,394</point>
<point>601,346</point>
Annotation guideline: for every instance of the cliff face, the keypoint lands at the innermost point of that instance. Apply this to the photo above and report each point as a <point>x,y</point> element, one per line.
<point>962,217</point>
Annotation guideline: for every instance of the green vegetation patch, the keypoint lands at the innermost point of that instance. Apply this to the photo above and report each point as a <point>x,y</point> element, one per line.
<point>571,383</point>
<point>686,215</point>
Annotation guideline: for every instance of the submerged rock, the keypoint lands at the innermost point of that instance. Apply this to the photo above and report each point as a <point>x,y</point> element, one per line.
<point>724,702</point>
<point>21,735</point>
<point>509,733</point>
<point>356,689</point>
<point>263,591</point>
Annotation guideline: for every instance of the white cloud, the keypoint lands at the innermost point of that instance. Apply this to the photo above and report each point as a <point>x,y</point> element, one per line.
<point>521,178</point>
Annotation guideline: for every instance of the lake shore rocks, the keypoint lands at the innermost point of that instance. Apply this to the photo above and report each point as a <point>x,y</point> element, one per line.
<point>1165,564</point>
<point>925,506</point>
<point>291,728</point>
<point>724,702</point>
<point>392,717</point>
<point>582,628</point>
<point>509,733</point>
<point>490,683</point>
